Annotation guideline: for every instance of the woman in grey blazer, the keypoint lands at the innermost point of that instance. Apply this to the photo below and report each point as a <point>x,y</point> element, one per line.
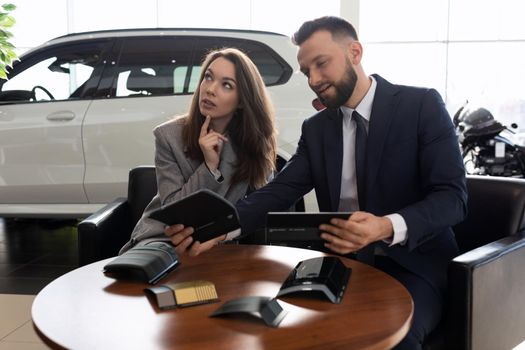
<point>226,143</point>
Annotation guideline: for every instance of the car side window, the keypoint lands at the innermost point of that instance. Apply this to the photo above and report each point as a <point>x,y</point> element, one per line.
<point>274,70</point>
<point>194,78</point>
<point>153,66</point>
<point>56,74</point>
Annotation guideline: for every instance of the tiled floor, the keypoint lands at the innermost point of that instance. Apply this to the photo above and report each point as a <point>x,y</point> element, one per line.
<point>16,327</point>
<point>32,254</point>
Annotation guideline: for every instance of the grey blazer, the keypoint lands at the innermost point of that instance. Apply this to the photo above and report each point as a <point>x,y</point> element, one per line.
<point>178,176</point>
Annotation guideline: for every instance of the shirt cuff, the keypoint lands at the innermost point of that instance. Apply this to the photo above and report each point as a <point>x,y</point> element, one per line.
<point>233,234</point>
<point>400,230</point>
<point>216,174</point>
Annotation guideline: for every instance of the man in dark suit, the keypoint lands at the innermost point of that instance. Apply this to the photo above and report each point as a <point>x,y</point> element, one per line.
<point>387,152</point>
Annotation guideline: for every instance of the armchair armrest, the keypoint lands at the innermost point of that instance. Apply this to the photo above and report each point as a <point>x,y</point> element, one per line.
<point>486,296</point>
<point>103,233</point>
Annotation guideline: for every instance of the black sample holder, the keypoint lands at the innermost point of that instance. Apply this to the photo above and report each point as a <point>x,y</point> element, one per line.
<point>146,263</point>
<point>324,274</point>
<point>268,309</point>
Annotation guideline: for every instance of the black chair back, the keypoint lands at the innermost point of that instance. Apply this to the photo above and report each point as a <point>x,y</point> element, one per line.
<point>142,187</point>
<point>496,208</point>
<point>494,224</point>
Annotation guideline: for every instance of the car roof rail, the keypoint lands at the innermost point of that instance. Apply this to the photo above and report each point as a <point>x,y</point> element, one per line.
<point>130,30</point>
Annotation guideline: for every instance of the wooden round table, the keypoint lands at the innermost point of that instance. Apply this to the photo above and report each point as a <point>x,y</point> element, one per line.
<point>84,309</point>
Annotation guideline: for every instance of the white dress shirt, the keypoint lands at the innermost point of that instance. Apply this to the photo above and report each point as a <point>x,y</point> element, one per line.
<point>348,198</point>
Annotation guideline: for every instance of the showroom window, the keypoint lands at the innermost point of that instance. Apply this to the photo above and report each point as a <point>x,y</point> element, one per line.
<point>468,50</point>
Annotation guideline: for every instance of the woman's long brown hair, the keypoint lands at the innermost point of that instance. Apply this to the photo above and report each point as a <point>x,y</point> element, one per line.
<point>251,129</point>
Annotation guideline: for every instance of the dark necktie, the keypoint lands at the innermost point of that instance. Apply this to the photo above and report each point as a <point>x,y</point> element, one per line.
<point>365,254</point>
<point>360,157</point>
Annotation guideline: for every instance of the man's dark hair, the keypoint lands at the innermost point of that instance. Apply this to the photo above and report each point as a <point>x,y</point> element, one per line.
<point>335,25</point>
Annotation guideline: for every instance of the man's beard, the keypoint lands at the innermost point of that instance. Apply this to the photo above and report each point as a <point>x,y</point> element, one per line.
<point>344,88</point>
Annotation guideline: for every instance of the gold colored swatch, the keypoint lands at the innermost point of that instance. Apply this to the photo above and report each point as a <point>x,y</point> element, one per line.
<point>193,292</point>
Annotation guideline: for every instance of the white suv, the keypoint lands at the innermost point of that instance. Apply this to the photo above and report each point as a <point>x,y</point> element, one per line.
<point>77,113</point>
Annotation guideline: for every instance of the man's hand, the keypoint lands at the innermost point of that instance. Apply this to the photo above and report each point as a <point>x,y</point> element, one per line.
<point>181,238</point>
<point>361,229</point>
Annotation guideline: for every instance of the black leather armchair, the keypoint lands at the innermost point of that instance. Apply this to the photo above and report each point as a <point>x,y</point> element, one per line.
<point>103,233</point>
<point>486,288</point>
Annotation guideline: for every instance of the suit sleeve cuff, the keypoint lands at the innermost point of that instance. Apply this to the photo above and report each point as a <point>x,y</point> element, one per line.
<point>400,230</point>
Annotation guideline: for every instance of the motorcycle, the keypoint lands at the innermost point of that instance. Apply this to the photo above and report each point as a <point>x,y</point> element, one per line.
<point>484,150</point>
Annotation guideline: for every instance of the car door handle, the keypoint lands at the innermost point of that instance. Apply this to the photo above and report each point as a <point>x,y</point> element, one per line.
<point>61,116</point>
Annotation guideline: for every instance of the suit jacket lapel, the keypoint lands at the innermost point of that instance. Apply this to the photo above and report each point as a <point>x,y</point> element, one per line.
<point>383,111</point>
<point>333,152</point>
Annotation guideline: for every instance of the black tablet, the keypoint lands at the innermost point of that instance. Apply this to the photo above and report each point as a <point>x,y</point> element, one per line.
<point>209,214</point>
<point>304,227</point>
